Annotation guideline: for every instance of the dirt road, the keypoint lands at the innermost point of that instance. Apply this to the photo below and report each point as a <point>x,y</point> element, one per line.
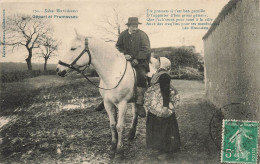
<point>56,122</point>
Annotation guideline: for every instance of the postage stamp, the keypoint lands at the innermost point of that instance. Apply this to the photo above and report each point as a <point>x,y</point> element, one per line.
<point>239,141</point>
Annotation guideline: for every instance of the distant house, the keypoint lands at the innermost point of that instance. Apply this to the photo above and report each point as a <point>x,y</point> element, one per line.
<point>232,60</point>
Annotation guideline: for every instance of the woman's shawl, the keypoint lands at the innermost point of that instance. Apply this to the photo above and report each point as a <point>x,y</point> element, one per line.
<point>153,100</point>
<point>156,76</point>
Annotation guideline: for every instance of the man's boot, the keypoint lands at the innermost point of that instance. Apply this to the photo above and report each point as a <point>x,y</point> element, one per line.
<point>140,101</point>
<point>100,106</point>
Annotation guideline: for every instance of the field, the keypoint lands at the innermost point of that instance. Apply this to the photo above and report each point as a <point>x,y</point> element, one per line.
<point>11,66</point>
<point>49,119</point>
<point>13,72</point>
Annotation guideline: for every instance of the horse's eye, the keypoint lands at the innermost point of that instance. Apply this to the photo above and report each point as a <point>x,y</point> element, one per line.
<point>72,49</point>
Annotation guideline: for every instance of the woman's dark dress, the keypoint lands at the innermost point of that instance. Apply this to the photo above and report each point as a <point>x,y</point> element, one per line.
<point>163,133</point>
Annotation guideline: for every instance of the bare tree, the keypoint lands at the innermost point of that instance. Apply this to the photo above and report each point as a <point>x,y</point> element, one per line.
<point>23,30</point>
<point>48,49</point>
<point>112,24</point>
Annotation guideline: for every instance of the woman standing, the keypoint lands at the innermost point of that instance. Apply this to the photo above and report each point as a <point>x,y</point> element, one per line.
<point>162,132</point>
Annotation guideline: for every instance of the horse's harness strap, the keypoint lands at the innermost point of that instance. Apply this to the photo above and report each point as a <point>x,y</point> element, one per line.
<point>82,53</point>
<point>107,88</point>
<point>64,64</point>
<point>89,62</point>
<point>86,49</point>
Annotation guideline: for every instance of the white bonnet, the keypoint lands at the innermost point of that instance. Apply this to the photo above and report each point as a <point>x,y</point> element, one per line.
<point>164,63</point>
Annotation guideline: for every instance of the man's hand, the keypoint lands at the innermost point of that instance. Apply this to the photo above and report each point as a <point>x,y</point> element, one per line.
<point>134,62</point>
<point>128,57</point>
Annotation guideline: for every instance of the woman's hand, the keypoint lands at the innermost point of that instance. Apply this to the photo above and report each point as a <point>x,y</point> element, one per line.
<point>171,106</point>
<point>165,111</point>
<point>165,108</point>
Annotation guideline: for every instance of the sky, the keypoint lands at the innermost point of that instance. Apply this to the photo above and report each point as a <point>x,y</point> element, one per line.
<point>91,13</point>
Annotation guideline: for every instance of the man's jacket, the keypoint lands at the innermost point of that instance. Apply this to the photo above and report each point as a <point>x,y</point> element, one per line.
<point>137,45</point>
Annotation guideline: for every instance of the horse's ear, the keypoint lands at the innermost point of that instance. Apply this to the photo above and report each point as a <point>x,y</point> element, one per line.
<point>76,32</point>
<point>86,42</point>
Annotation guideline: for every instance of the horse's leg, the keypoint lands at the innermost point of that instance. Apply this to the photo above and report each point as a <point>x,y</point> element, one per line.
<point>111,111</point>
<point>122,107</point>
<point>131,134</point>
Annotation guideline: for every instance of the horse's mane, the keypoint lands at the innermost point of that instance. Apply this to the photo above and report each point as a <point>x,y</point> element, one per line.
<point>99,46</point>
<point>110,51</point>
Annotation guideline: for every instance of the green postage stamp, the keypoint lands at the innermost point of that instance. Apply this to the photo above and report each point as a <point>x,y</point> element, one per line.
<point>239,141</point>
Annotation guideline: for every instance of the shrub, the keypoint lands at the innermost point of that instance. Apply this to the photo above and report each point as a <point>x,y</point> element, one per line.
<point>187,73</point>
<point>16,75</point>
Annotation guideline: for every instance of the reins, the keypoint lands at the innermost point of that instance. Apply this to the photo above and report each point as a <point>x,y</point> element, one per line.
<point>71,66</point>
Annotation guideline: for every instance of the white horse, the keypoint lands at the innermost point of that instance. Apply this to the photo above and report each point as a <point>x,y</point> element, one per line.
<point>115,74</point>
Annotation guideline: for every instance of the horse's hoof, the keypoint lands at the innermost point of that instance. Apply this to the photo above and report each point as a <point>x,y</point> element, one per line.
<point>131,134</point>
<point>119,157</point>
<point>112,152</point>
<point>118,161</point>
<point>113,147</point>
<point>112,155</point>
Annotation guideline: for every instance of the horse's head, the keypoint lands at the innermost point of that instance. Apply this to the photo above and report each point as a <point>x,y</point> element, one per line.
<point>75,56</point>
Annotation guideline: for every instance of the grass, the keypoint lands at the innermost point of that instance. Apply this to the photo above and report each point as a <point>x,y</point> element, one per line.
<point>14,72</point>
<point>53,121</point>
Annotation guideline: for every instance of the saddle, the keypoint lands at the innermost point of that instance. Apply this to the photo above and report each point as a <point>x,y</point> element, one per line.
<point>147,78</point>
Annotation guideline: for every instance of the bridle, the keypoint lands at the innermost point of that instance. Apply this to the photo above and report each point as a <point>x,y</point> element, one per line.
<point>71,66</point>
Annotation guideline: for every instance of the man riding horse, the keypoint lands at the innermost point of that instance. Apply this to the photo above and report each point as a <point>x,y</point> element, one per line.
<point>135,45</point>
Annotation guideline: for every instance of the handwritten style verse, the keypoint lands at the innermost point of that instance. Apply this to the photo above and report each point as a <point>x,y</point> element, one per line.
<point>186,19</point>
